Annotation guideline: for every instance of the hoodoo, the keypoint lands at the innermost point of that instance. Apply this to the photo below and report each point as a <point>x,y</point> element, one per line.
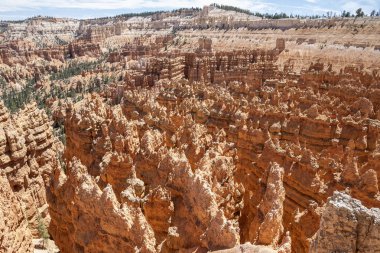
<point>193,130</point>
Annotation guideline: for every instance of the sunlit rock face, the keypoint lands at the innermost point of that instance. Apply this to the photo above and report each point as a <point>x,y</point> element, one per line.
<point>191,131</point>
<point>348,226</point>
<point>202,155</point>
<point>158,198</point>
<point>28,155</point>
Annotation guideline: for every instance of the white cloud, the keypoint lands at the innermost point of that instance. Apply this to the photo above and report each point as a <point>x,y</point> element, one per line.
<point>89,7</point>
<point>15,5</point>
<point>367,6</point>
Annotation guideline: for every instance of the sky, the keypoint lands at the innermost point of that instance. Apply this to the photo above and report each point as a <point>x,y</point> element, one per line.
<point>21,9</point>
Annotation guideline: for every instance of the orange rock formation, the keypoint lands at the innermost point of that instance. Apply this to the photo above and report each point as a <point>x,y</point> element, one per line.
<point>192,131</point>
<point>28,156</point>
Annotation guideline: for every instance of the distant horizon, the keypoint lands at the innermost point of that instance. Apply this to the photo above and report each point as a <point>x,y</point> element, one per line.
<point>14,10</point>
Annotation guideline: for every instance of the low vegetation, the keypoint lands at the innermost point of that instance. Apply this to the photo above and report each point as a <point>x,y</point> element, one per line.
<point>42,231</point>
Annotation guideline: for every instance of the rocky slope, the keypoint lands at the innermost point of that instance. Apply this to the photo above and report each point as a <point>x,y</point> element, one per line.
<point>161,190</point>
<point>28,156</point>
<point>265,168</point>
<point>191,131</point>
<point>348,226</point>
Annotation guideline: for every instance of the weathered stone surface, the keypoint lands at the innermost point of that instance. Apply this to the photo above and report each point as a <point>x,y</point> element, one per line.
<point>182,206</point>
<point>28,155</point>
<point>15,233</point>
<point>347,226</point>
<point>192,130</point>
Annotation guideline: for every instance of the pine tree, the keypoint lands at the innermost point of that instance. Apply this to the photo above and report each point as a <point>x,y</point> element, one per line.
<point>42,230</point>
<point>359,12</point>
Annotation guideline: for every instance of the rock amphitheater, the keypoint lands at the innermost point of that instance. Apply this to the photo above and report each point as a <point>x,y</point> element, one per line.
<point>190,131</point>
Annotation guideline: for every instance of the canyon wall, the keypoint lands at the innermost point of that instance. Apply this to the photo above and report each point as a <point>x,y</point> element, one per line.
<point>347,226</point>
<point>181,136</point>
<point>28,155</point>
<point>159,200</point>
<point>265,168</point>
<point>283,141</point>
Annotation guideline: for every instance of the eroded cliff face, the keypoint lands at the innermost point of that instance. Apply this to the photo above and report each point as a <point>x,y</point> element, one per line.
<point>254,160</point>
<point>194,139</point>
<point>15,233</point>
<point>255,172</point>
<point>160,199</point>
<point>347,226</point>
<point>28,155</point>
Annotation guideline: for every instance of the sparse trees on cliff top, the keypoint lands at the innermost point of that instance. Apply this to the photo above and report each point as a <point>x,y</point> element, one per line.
<point>359,13</point>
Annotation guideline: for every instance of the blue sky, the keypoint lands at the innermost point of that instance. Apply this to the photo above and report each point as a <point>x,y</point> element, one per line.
<point>20,9</point>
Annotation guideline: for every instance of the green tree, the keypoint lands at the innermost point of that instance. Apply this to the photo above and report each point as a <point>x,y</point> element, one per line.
<point>42,231</point>
<point>359,13</point>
